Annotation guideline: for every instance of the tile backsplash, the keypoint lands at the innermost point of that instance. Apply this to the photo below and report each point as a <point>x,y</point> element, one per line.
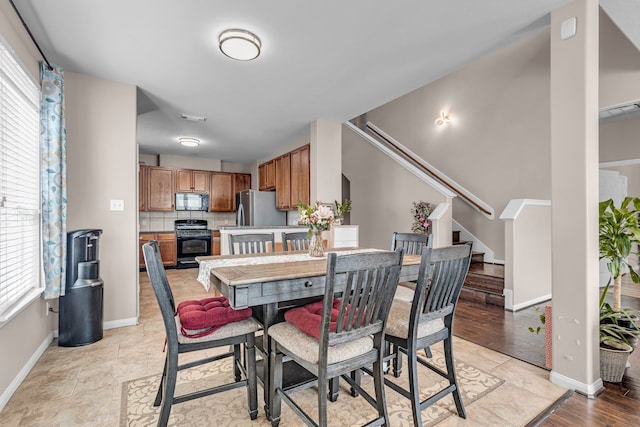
<point>165,221</point>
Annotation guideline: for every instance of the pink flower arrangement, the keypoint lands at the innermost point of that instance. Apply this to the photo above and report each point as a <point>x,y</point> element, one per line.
<point>316,217</point>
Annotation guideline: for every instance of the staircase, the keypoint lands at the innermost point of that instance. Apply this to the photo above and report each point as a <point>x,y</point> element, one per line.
<point>485,282</point>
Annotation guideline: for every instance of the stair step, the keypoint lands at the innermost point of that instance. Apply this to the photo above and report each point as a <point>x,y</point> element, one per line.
<point>484,285</point>
<point>477,257</point>
<point>455,236</point>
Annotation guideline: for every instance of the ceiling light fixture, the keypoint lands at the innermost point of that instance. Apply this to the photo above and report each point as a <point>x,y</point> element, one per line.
<point>189,142</point>
<point>443,119</point>
<point>240,44</point>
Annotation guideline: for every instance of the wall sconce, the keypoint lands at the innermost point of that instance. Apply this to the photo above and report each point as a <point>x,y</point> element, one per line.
<point>443,119</point>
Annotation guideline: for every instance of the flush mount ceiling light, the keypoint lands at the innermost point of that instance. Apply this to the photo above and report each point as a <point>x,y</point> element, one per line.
<point>443,119</point>
<point>240,44</point>
<point>189,142</point>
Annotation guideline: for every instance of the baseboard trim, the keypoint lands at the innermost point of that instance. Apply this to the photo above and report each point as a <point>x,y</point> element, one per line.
<point>132,321</point>
<point>590,390</point>
<point>6,395</point>
<point>543,298</point>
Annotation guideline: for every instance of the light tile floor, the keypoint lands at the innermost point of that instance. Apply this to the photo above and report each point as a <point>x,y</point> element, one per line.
<point>82,386</point>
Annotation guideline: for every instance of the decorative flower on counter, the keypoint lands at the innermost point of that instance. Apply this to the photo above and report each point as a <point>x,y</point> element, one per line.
<point>421,211</point>
<point>317,217</point>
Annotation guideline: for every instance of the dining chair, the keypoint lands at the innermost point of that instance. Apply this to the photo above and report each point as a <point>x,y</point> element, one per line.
<point>427,320</point>
<point>412,243</point>
<point>348,333</point>
<point>251,243</point>
<point>235,334</point>
<point>295,241</point>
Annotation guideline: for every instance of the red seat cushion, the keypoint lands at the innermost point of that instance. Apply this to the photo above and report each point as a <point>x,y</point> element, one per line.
<point>308,317</point>
<point>202,317</point>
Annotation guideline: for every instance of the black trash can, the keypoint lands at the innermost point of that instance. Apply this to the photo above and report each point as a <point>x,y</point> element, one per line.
<point>81,308</point>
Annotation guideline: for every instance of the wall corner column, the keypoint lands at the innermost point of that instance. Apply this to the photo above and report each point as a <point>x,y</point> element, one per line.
<point>326,161</point>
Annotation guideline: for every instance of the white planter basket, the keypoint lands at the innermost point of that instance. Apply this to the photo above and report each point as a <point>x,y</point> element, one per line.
<point>612,364</point>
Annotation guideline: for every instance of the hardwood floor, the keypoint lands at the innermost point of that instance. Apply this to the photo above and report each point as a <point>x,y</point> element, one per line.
<point>506,332</point>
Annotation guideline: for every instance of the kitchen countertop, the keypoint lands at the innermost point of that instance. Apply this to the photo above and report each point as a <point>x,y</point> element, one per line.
<point>261,227</point>
<point>157,231</point>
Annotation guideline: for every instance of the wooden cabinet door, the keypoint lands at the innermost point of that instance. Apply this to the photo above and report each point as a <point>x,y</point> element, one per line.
<point>300,171</point>
<point>142,188</point>
<point>161,188</point>
<point>184,182</point>
<point>271,175</point>
<point>242,181</point>
<point>262,177</point>
<point>221,197</point>
<point>200,181</point>
<point>168,246</point>
<point>283,181</point>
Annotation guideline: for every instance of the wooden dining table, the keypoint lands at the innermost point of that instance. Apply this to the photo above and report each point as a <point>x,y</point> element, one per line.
<point>271,283</point>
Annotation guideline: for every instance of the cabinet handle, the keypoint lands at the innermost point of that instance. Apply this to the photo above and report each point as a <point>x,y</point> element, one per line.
<point>308,284</point>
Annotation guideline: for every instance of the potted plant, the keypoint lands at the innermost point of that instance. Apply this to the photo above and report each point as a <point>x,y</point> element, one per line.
<point>619,232</point>
<point>615,345</point>
<point>341,210</point>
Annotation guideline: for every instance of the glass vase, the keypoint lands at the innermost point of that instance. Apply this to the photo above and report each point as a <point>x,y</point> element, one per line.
<point>316,245</point>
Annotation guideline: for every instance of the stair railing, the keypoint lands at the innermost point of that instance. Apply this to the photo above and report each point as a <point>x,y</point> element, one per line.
<point>439,180</point>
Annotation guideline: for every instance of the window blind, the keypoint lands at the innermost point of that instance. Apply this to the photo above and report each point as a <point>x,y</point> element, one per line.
<point>19,181</point>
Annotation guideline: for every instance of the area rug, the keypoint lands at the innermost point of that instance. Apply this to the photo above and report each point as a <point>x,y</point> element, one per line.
<point>230,408</point>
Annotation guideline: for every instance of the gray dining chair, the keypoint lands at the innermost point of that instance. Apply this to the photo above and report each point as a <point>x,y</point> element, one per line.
<point>428,319</point>
<point>412,243</point>
<point>251,243</point>
<point>348,337</point>
<point>233,335</point>
<point>295,241</point>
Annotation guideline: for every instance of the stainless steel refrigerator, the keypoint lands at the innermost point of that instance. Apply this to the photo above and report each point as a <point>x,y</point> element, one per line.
<point>258,208</point>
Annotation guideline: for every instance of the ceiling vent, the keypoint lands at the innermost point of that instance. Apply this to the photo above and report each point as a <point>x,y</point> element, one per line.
<point>192,118</point>
<point>607,113</point>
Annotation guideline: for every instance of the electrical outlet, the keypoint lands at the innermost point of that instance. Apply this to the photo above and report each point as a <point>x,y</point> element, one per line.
<point>47,305</point>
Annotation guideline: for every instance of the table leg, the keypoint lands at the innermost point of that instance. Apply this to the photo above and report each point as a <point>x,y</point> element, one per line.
<point>270,312</point>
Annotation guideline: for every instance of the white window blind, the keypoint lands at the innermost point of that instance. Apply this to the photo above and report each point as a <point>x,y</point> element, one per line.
<point>19,181</point>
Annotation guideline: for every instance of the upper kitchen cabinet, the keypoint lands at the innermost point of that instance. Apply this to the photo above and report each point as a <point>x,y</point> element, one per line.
<point>192,181</point>
<point>267,176</point>
<point>222,196</point>
<point>283,182</point>
<point>242,181</point>
<point>142,187</point>
<point>300,172</point>
<point>161,188</point>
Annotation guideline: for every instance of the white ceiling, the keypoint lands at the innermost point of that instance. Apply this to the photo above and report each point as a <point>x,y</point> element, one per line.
<point>330,59</point>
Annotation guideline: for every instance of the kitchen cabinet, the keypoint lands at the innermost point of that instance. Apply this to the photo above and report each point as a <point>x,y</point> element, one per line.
<point>241,182</point>
<point>192,181</point>
<point>283,182</point>
<point>267,176</point>
<point>142,187</point>
<point>167,244</point>
<point>161,193</point>
<point>300,172</point>
<point>215,243</point>
<point>222,196</point>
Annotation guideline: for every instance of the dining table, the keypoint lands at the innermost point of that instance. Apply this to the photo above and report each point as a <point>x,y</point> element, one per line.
<point>271,283</point>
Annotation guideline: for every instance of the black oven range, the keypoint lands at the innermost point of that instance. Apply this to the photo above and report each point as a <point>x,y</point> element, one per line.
<point>194,239</point>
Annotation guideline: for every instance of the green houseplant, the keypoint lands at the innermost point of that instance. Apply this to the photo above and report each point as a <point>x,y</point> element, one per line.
<point>619,232</point>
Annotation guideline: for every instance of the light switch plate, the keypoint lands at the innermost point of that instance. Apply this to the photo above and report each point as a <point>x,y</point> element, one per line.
<point>117,205</point>
<point>568,28</point>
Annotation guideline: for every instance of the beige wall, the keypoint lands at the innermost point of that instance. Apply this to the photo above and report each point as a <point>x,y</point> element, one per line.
<point>382,192</point>
<point>26,336</point>
<point>620,139</point>
<point>497,145</point>
<point>619,66</point>
<point>102,166</point>
<point>326,161</point>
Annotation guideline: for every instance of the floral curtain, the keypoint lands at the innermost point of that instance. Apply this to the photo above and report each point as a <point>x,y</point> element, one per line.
<point>53,180</point>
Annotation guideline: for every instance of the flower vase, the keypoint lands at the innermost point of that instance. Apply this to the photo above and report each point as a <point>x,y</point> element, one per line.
<point>316,245</point>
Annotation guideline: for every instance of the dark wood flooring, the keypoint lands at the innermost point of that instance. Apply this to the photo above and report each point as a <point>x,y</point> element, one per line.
<point>506,332</point>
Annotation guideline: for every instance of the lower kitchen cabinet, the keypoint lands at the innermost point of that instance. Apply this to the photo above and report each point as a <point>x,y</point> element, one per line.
<point>167,244</point>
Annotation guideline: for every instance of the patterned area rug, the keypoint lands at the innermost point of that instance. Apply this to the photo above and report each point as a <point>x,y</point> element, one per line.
<point>230,408</point>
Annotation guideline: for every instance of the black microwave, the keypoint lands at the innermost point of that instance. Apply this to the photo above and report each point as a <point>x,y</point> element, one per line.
<point>192,202</point>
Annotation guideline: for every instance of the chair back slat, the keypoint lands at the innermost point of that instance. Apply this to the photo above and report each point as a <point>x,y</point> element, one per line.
<point>296,241</point>
<point>439,288</point>
<point>160,285</point>
<point>367,284</point>
<point>411,243</point>
<point>251,243</point>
